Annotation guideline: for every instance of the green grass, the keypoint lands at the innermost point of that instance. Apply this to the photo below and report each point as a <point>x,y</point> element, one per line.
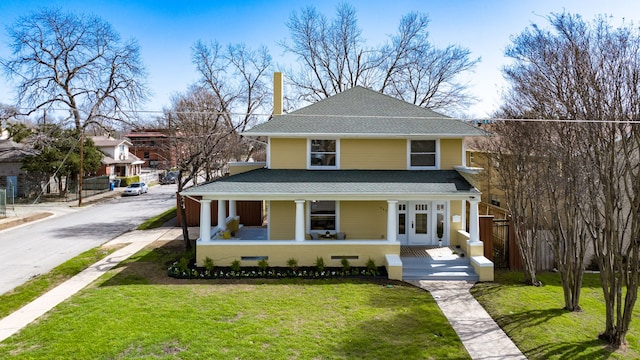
<point>30,290</point>
<point>138,312</point>
<point>533,317</point>
<point>158,220</point>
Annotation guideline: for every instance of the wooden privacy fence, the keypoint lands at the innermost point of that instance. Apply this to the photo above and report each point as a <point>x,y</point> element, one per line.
<point>500,246</point>
<point>250,212</point>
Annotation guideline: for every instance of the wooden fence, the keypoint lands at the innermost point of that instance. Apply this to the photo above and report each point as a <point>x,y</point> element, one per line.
<point>250,212</point>
<point>500,246</point>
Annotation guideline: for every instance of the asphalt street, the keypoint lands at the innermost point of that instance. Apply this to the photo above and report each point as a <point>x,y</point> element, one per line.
<point>36,248</point>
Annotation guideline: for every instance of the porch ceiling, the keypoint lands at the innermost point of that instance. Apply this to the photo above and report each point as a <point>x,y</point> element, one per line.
<point>320,184</point>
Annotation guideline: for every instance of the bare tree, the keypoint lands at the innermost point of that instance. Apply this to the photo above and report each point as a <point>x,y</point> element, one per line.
<point>334,57</point>
<point>589,74</point>
<point>202,143</point>
<point>75,64</point>
<point>516,151</point>
<point>565,177</point>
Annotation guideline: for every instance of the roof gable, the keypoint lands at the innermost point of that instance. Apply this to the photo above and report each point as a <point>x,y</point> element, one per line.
<point>106,141</point>
<point>363,112</point>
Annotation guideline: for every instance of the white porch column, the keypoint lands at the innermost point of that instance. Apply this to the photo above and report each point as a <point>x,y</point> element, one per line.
<point>205,219</point>
<point>299,220</point>
<point>232,208</point>
<point>222,214</point>
<point>392,206</point>
<point>474,227</point>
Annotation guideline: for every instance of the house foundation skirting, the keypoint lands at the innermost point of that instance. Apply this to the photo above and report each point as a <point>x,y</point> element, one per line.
<point>277,253</point>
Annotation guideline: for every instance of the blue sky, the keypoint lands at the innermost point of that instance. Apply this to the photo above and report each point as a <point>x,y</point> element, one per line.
<point>166,30</point>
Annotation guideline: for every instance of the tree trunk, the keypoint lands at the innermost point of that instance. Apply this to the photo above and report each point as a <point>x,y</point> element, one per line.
<point>185,228</point>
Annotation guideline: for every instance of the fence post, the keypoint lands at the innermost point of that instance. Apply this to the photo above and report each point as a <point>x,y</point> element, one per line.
<point>486,235</point>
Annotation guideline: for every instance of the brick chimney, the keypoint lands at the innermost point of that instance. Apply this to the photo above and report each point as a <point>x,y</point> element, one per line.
<point>277,93</point>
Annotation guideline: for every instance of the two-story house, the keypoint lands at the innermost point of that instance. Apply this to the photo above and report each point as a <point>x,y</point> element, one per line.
<point>358,175</point>
<point>117,160</point>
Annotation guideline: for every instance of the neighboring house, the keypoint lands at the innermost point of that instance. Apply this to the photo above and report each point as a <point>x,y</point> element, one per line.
<point>154,147</point>
<point>117,160</point>
<point>12,177</point>
<point>358,175</point>
<point>488,181</point>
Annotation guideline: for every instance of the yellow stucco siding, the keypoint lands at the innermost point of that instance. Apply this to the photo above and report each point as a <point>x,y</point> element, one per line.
<point>363,219</point>
<point>373,154</point>
<point>282,220</point>
<point>288,153</point>
<point>305,252</point>
<point>450,153</point>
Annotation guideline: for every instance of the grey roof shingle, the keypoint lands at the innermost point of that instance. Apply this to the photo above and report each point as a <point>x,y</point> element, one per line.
<point>363,112</point>
<point>264,182</point>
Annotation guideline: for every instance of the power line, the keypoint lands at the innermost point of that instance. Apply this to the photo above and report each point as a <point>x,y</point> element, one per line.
<point>443,117</point>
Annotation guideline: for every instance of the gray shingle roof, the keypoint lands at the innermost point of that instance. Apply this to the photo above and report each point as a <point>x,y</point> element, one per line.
<point>265,182</point>
<point>360,112</point>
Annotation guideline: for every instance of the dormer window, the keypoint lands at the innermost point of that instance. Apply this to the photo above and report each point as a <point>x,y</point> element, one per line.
<point>323,154</point>
<point>423,154</point>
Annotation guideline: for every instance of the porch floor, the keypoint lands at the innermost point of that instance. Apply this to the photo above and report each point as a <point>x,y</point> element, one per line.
<point>252,233</point>
<point>433,252</point>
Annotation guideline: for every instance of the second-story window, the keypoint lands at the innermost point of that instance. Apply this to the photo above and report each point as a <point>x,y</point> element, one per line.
<point>423,154</point>
<point>323,154</point>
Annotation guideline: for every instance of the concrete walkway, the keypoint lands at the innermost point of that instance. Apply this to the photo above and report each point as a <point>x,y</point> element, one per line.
<point>137,240</point>
<point>480,334</point>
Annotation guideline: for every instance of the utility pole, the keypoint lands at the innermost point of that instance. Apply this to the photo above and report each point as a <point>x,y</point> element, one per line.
<point>81,165</point>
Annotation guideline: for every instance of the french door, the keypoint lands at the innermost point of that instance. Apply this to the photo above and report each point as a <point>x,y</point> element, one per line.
<point>422,223</point>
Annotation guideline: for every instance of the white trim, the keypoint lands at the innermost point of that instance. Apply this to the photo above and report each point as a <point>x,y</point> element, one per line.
<point>222,215</point>
<point>299,222</point>
<point>409,167</point>
<point>308,217</point>
<point>333,196</point>
<point>468,170</point>
<point>336,167</point>
<point>392,217</point>
<point>360,135</point>
<point>268,153</point>
<point>205,219</point>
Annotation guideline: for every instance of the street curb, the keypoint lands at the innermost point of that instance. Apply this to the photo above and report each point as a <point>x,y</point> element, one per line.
<point>23,220</point>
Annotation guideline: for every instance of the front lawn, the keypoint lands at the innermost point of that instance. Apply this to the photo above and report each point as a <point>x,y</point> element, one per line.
<point>534,319</point>
<point>136,311</point>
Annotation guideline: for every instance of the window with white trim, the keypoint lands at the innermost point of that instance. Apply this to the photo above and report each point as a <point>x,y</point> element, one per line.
<point>322,216</point>
<point>423,153</point>
<point>323,154</point>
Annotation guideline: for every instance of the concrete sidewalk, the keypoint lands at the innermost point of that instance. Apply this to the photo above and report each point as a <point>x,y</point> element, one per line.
<point>480,334</point>
<point>136,239</point>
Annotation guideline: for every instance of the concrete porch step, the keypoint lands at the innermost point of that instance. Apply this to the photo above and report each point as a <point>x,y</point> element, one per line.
<point>431,269</point>
<point>443,276</point>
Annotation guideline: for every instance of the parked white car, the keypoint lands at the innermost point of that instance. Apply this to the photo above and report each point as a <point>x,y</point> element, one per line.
<point>136,188</point>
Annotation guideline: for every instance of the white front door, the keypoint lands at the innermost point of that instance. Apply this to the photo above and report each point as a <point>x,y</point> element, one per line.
<point>423,223</point>
<point>419,221</point>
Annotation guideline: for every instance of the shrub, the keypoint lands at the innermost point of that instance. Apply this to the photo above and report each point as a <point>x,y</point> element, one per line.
<point>345,264</point>
<point>183,264</point>
<point>235,265</point>
<point>292,264</point>
<point>209,264</point>
<point>371,265</point>
<point>263,264</point>
<point>320,263</point>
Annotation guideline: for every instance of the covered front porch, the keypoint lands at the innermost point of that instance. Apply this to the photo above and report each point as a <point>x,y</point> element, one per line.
<point>360,218</point>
